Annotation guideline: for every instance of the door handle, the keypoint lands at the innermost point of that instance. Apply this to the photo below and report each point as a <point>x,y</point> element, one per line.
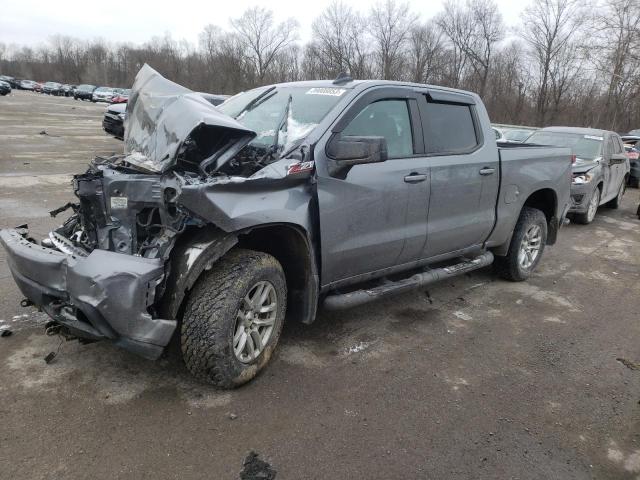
<point>415,178</point>
<point>487,171</point>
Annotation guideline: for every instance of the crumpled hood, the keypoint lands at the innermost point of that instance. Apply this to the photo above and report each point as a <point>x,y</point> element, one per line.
<point>581,165</point>
<point>161,115</point>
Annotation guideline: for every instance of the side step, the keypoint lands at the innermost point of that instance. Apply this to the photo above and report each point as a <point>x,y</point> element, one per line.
<point>339,301</point>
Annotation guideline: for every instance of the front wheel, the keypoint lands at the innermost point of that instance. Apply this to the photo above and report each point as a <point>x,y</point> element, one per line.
<point>588,216</point>
<point>233,318</point>
<point>526,247</point>
<point>616,202</point>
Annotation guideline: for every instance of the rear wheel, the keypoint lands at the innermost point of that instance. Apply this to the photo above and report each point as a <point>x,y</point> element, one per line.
<point>233,318</point>
<point>634,182</point>
<point>526,247</point>
<point>588,216</point>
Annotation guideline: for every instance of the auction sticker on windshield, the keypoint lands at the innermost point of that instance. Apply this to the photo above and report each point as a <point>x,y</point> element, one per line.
<point>334,92</point>
<point>593,137</point>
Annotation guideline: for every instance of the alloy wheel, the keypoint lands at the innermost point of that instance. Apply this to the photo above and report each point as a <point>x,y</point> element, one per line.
<point>255,320</point>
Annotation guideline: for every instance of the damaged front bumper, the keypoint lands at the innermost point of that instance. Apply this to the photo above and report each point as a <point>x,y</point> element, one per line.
<point>105,295</point>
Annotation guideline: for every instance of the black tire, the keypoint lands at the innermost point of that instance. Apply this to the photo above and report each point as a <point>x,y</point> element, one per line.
<point>210,316</point>
<point>585,218</point>
<point>634,182</point>
<point>509,267</point>
<point>617,201</point>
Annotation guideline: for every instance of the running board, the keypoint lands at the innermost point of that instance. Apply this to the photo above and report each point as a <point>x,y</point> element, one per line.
<point>339,301</point>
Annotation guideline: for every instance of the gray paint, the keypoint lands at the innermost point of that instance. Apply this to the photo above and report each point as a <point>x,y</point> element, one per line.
<point>362,224</point>
<point>162,114</point>
<point>609,175</point>
<point>115,289</point>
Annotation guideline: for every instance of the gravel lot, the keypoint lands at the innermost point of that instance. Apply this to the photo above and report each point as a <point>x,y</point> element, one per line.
<point>472,379</point>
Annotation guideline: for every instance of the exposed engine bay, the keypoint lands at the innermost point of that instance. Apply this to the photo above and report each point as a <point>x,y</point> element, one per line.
<point>178,148</point>
<point>148,222</point>
<point>133,214</point>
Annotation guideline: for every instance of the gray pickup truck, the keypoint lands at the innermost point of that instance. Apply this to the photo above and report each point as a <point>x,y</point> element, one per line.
<point>217,223</point>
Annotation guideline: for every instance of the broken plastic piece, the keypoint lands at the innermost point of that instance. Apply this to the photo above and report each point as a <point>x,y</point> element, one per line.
<point>61,209</point>
<point>49,358</point>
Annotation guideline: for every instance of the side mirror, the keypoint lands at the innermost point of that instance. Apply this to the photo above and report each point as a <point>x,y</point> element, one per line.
<point>344,152</point>
<point>617,158</point>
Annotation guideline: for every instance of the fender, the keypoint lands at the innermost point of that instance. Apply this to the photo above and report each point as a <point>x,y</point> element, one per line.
<point>192,255</point>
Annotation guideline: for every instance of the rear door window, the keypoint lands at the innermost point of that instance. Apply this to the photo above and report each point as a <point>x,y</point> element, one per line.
<point>449,128</point>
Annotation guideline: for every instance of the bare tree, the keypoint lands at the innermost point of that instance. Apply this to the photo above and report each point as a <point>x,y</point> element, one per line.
<point>474,29</point>
<point>390,26</point>
<point>616,29</point>
<point>549,26</point>
<point>554,73</point>
<point>424,53</point>
<point>262,38</point>
<point>338,42</point>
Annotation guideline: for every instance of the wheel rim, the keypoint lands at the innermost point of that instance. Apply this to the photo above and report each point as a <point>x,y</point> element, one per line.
<point>623,187</point>
<point>593,205</point>
<point>255,321</point>
<point>530,247</point>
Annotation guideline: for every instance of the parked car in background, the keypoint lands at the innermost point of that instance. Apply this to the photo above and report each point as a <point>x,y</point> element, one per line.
<point>5,88</point>
<point>38,87</point>
<point>600,169</point>
<point>122,96</point>
<point>67,90</point>
<point>515,133</point>
<point>27,85</point>
<point>632,149</point>
<point>13,82</point>
<point>53,88</point>
<point>635,133</point>
<point>498,134</point>
<point>84,92</point>
<point>103,94</point>
<point>235,215</point>
<point>113,120</point>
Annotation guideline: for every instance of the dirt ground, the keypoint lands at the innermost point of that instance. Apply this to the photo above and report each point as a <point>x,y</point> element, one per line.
<point>473,379</point>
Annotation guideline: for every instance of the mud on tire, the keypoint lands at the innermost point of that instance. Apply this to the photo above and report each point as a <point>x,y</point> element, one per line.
<point>210,315</point>
<point>509,266</point>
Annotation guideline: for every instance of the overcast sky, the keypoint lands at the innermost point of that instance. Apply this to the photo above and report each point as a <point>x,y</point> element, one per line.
<point>32,22</point>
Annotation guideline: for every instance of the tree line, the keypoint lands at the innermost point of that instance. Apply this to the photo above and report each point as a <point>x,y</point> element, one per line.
<point>570,62</point>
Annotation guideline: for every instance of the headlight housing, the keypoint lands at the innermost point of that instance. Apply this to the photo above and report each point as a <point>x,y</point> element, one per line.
<point>582,178</point>
<point>122,116</point>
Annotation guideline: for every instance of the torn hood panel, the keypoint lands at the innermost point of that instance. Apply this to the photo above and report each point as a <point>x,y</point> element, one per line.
<point>161,115</point>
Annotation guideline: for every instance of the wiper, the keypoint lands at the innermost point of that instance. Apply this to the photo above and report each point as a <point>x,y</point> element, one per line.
<point>284,121</point>
<point>254,103</point>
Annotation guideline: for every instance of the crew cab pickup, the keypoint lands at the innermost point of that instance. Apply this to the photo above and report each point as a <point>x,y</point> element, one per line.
<point>217,223</point>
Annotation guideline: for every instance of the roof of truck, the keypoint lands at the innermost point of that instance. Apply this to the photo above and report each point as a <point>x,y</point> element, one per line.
<point>363,84</point>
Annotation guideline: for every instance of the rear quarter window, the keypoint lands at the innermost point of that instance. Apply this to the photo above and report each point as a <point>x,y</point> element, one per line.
<point>449,128</point>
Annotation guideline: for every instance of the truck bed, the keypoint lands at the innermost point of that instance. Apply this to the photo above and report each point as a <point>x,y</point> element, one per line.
<point>525,169</point>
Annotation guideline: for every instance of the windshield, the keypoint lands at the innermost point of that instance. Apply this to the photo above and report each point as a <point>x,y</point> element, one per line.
<point>281,115</point>
<point>586,147</point>
<point>103,89</point>
<point>516,135</point>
